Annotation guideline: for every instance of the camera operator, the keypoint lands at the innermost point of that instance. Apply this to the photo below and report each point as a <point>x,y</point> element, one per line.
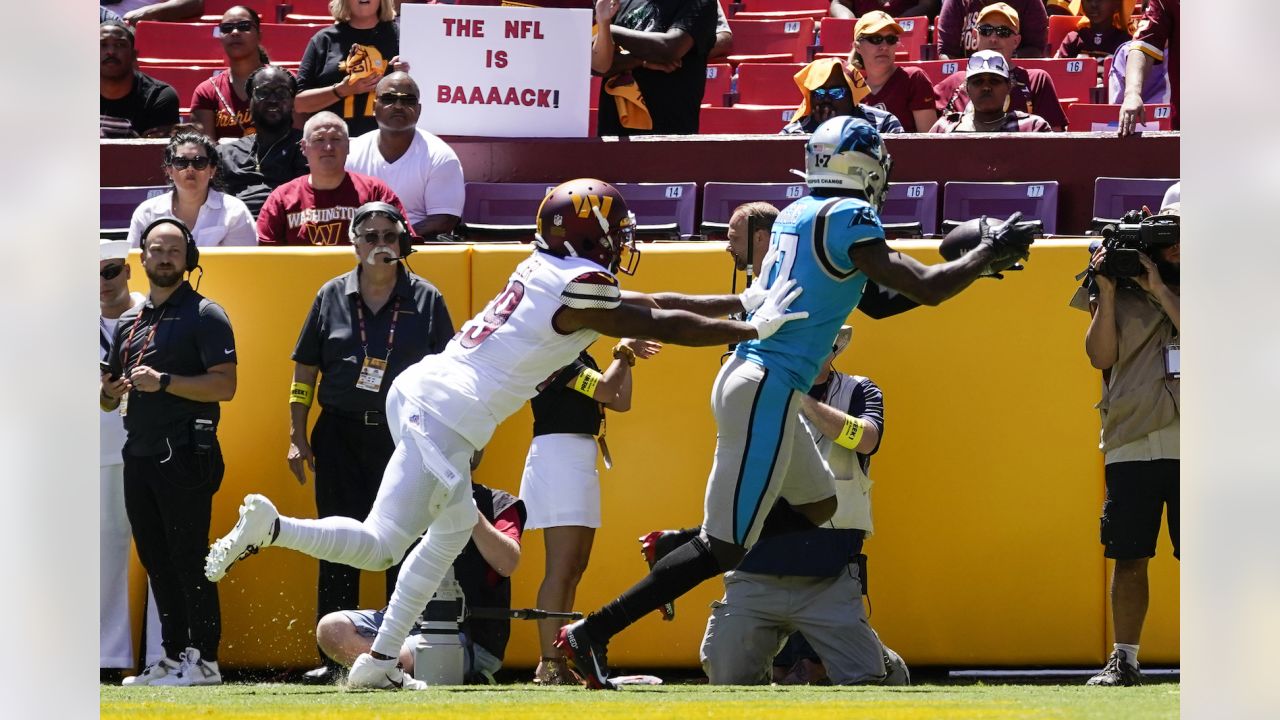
<point>1133,340</point>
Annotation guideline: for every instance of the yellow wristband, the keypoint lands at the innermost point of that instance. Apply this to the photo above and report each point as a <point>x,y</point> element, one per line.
<point>301,393</point>
<point>587,381</point>
<point>852,432</point>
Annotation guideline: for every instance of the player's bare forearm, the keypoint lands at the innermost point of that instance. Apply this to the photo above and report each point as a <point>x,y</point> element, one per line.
<point>705,305</point>
<point>926,284</point>
<point>671,326</point>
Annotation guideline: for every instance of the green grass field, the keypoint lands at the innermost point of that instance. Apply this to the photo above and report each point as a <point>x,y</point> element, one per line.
<point>525,702</point>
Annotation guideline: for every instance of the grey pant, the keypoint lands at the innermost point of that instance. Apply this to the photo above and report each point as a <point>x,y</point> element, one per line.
<point>750,625</point>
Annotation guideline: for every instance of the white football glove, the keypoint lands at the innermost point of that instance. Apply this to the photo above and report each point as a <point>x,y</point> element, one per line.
<point>772,314</point>
<point>755,294</point>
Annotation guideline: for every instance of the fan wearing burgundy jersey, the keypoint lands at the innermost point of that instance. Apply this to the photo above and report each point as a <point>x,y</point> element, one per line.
<point>445,407</point>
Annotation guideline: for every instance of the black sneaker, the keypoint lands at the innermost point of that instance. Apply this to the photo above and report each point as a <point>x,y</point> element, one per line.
<point>654,547</point>
<point>1117,672</point>
<point>588,657</point>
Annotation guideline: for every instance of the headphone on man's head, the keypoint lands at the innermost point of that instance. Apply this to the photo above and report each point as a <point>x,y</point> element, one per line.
<point>378,207</point>
<point>193,252</point>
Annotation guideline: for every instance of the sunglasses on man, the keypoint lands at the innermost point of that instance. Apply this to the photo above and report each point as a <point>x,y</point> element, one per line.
<point>200,162</point>
<point>390,99</point>
<point>986,30</point>
<point>837,93</point>
<point>243,26</point>
<point>111,272</point>
<point>890,40</point>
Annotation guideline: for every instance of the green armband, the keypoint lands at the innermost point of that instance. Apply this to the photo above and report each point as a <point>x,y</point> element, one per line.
<point>301,393</point>
<point>852,432</point>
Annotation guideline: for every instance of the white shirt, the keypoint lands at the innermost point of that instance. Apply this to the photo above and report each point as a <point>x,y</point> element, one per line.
<point>110,424</point>
<point>427,178</point>
<point>223,220</point>
<point>501,357</point>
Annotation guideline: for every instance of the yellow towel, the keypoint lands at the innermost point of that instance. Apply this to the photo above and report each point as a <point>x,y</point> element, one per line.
<point>632,112</point>
<point>813,76</point>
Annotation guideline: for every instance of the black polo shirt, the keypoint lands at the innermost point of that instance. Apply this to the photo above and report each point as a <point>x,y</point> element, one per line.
<point>282,161</point>
<point>330,338</point>
<point>185,335</point>
<point>559,408</point>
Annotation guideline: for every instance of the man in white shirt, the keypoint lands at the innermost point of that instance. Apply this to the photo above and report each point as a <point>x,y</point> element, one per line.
<point>421,168</point>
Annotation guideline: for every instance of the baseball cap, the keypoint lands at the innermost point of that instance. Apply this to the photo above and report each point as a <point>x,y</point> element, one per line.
<point>113,249</point>
<point>986,62</point>
<point>1001,9</point>
<point>875,21</point>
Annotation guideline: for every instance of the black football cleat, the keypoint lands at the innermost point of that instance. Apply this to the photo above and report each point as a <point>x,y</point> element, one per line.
<point>587,657</point>
<point>1117,673</point>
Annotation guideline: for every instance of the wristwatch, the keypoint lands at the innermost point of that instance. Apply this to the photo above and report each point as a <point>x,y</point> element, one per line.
<point>164,381</point>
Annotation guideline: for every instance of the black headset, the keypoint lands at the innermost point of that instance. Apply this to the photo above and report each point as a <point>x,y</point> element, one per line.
<point>193,252</point>
<point>377,207</point>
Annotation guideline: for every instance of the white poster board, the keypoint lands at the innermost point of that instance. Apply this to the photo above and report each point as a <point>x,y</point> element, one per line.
<point>502,72</point>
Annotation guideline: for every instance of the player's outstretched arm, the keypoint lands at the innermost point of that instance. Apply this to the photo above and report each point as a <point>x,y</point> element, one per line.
<point>704,305</point>
<point>925,284</point>
<point>641,321</point>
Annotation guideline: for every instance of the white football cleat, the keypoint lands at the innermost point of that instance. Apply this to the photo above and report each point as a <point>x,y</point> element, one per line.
<point>368,672</point>
<point>161,668</point>
<point>255,530</point>
<point>192,671</point>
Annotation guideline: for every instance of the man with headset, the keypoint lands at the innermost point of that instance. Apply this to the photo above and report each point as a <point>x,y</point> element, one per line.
<point>172,360</point>
<point>365,327</point>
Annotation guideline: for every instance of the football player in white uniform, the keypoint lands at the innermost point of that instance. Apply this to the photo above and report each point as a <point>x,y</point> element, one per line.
<point>445,408</point>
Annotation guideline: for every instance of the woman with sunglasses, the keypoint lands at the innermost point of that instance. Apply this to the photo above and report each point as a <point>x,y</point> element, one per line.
<point>220,105</point>
<point>959,18</point>
<point>343,63</point>
<point>903,91</point>
<point>215,218</point>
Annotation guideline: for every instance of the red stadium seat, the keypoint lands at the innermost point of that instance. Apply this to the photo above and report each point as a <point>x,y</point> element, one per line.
<point>768,84</point>
<point>771,40</point>
<point>1085,117</point>
<point>197,43</point>
<point>593,100</point>
<point>1073,78</point>
<point>743,120</point>
<point>937,70</point>
<point>1059,26</point>
<point>307,11</point>
<point>183,78</point>
<point>782,9</point>
<point>719,84</point>
<point>836,37</point>
<point>214,9</point>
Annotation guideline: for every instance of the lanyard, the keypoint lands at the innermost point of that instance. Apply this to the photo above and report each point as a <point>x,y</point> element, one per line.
<point>124,349</point>
<point>391,336</point>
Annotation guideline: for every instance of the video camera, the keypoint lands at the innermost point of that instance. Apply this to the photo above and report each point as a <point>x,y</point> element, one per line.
<point>1137,232</point>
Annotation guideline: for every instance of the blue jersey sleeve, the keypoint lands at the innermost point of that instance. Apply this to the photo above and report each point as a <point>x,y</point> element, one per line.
<point>844,226</point>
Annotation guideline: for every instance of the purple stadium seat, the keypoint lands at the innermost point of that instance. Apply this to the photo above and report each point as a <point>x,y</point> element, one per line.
<point>116,204</point>
<point>720,198</point>
<point>662,208</point>
<point>913,207</point>
<point>1113,197</point>
<point>503,210</point>
<point>967,200</point>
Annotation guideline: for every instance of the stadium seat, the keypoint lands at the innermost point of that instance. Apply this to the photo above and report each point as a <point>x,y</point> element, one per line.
<point>781,9</point>
<point>719,84</point>
<point>306,11</point>
<point>1074,79</point>
<point>743,120</point>
<point>768,84</point>
<point>214,9</point>
<point>836,37</point>
<point>116,205</point>
<point>771,40</point>
<point>1059,26</point>
<point>502,210</point>
<point>1086,117</point>
<point>183,78</point>
<point>593,100</point>
<point>910,209</point>
<point>720,198</point>
<point>663,210</point>
<point>963,201</point>
<point>937,70</point>
<point>1113,197</point>
<point>197,43</point>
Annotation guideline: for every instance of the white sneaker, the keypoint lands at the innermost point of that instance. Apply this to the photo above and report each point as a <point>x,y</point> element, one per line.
<point>192,671</point>
<point>368,672</point>
<point>158,670</point>
<point>254,531</point>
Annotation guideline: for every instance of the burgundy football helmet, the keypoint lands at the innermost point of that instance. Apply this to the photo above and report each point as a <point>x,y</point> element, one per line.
<point>588,218</point>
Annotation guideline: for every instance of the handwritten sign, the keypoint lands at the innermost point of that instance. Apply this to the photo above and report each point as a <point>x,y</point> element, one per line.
<point>495,71</point>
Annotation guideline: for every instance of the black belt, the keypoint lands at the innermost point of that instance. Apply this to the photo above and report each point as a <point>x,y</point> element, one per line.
<point>372,418</point>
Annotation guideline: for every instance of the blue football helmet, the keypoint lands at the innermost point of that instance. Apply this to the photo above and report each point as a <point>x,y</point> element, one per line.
<point>846,153</point>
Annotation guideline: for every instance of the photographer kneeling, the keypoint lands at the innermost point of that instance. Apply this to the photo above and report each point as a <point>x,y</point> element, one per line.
<point>1133,340</point>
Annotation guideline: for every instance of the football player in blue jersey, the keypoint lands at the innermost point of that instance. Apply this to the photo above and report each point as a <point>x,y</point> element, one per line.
<point>832,244</point>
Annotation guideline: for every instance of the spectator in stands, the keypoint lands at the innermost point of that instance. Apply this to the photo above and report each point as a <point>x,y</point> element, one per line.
<point>105,15</point>
<point>131,104</point>
<point>724,37</point>
<point>256,164</point>
<point>1033,91</point>
<point>960,18</point>
<point>827,90</point>
<point>987,83</point>
<point>1157,39</point>
<point>654,59</point>
<point>895,8</point>
<point>343,63</point>
<point>1102,29</point>
<point>904,92</point>
<point>317,208</point>
<point>220,105</point>
<point>421,169</point>
<point>191,164</point>
<point>135,11</point>
<point>1155,85</point>
<point>483,571</point>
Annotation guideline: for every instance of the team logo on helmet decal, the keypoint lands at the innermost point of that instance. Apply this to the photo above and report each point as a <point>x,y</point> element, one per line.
<point>583,204</point>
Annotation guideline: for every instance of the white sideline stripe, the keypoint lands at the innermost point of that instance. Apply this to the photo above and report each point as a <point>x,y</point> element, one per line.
<point>1048,673</point>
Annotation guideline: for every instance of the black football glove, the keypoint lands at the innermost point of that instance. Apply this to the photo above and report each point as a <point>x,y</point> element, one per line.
<point>1010,241</point>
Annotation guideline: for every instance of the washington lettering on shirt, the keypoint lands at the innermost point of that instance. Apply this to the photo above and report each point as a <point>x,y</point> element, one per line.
<point>320,215</point>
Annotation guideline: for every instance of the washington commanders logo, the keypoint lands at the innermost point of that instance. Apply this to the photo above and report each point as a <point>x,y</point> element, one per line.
<point>324,233</point>
<point>583,204</point>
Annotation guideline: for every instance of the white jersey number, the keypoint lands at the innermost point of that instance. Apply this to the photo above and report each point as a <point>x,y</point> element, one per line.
<point>495,316</point>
